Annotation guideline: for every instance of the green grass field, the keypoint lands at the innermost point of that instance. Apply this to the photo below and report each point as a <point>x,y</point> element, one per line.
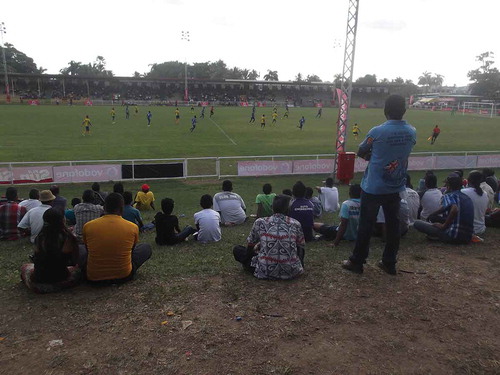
<point>50,133</point>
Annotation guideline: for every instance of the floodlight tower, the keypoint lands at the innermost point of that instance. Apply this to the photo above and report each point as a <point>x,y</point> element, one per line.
<point>347,75</point>
<point>185,36</point>
<point>6,77</point>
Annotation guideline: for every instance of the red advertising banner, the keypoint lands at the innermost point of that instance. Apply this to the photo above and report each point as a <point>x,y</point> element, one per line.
<point>34,102</point>
<point>243,104</point>
<point>88,103</point>
<point>88,173</point>
<point>26,175</point>
<point>262,168</point>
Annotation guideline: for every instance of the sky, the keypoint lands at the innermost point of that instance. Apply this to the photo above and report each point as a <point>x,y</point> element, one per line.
<point>394,37</point>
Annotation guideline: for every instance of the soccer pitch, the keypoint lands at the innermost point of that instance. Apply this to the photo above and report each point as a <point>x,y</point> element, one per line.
<point>52,133</point>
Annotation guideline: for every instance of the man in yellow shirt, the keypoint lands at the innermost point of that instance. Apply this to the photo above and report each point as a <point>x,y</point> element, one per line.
<point>86,123</point>
<point>111,252</point>
<point>144,200</point>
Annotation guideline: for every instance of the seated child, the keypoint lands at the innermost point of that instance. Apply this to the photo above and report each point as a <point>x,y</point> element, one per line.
<point>144,199</point>
<point>207,221</point>
<point>265,201</point>
<point>167,225</point>
<point>69,214</point>
<point>130,213</point>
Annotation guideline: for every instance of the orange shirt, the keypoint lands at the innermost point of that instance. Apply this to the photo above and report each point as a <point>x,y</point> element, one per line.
<point>109,240</point>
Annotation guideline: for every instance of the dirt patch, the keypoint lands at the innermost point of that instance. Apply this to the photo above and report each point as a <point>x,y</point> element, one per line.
<point>441,319</point>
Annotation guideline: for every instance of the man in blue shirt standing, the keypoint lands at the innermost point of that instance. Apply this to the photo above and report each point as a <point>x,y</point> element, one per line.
<point>387,148</point>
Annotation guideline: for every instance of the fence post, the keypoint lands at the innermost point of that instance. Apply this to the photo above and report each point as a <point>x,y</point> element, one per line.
<point>185,167</point>
<point>133,170</point>
<point>217,167</point>
<point>11,174</point>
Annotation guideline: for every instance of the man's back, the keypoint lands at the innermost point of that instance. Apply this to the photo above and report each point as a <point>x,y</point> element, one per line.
<point>33,220</point>
<point>390,145</point>
<point>109,240</point>
<point>350,211</point>
<point>462,226</point>
<point>329,198</point>
<point>11,214</point>
<point>231,207</point>
<point>85,212</point>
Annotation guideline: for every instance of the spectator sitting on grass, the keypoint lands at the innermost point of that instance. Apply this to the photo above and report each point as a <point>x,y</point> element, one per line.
<point>55,249</point>
<point>111,253</point>
<point>302,209</point>
<point>349,219</point>
<point>431,198</point>
<point>275,245</point>
<point>167,225</point>
<point>99,196</point>
<point>329,196</point>
<point>60,202</point>
<point>130,213</point>
<point>33,201</point>
<point>265,201</point>
<point>207,221</point>
<point>86,211</point>
<point>11,214</point>
<point>32,222</point>
<point>317,207</point>
<point>230,205</point>
<point>69,214</point>
<point>118,188</point>
<point>144,199</point>
<point>457,224</point>
<point>479,200</point>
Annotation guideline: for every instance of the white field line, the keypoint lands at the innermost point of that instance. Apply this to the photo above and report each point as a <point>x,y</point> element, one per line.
<point>223,132</point>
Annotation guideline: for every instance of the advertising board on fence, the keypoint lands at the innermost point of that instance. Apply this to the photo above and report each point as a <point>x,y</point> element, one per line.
<point>484,161</point>
<point>88,173</point>
<point>315,166</point>
<point>25,175</point>
<point>261,168</point>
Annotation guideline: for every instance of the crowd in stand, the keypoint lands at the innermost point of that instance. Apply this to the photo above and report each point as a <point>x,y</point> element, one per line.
<point>97,239</point>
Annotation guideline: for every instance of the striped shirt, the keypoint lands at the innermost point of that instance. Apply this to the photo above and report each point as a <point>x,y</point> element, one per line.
<point>463,224</point>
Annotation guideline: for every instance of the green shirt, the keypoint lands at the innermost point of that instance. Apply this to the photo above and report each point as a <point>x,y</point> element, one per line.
<point>267,203</point>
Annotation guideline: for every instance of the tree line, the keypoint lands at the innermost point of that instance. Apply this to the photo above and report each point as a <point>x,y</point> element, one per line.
<point>485,80</point>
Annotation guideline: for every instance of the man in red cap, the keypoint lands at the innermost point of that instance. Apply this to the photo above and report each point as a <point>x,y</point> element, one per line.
<point>144,200</point>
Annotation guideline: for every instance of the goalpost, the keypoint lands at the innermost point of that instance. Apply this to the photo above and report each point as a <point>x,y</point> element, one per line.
<point>481,108</point>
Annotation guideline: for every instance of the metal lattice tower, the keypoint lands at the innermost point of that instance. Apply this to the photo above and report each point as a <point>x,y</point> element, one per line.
<point>347,75</point>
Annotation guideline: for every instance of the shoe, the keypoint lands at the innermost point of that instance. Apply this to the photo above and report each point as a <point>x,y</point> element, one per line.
<point>388,268</point>
<point>476,239</point>
<point>353,267</point>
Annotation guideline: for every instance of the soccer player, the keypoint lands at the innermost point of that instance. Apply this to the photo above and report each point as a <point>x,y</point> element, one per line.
<point>320,111</point>
<point>202,114</point>
<point>302,121</point>
<point>193,123</point>
<point>286,106</point>
<point>275,115</point>
<point>113,114</point>
<point>149,116</point>
<point>435,134</point>
<point>127,113</point>
<point>192,109</point>
<point>263,121</point>
<point>86,123</point>
<point>211,111</point>
<point>252,117</point>
<point>136,109</point>
<point>177,115</point>
<point>355,131</point>
<point>275,109</point>
<point>285,115</point>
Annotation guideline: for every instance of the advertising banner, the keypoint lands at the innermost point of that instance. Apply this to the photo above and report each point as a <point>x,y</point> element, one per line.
<point>5,176</point>
<point>420,163</point>
<point>484,161</point>
<point>261,168</point>
<point>88,173</point>
<point>313,166</point>
<point>456,162</point>
<point>26,175</point>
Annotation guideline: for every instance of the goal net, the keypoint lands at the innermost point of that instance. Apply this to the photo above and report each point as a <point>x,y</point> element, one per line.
<point>480,108</point>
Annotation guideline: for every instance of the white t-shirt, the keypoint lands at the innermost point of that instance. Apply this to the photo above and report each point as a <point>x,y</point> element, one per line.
<point>34,220</point>
<point>404,216</point>
<point>329,197</point>
<point>231,207</point>
<point>32,203</point>
<point>413,200</point>
<point>489,192</point>
<point>208,222</point>
<point>480,206</point>
<point>430,202</point>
